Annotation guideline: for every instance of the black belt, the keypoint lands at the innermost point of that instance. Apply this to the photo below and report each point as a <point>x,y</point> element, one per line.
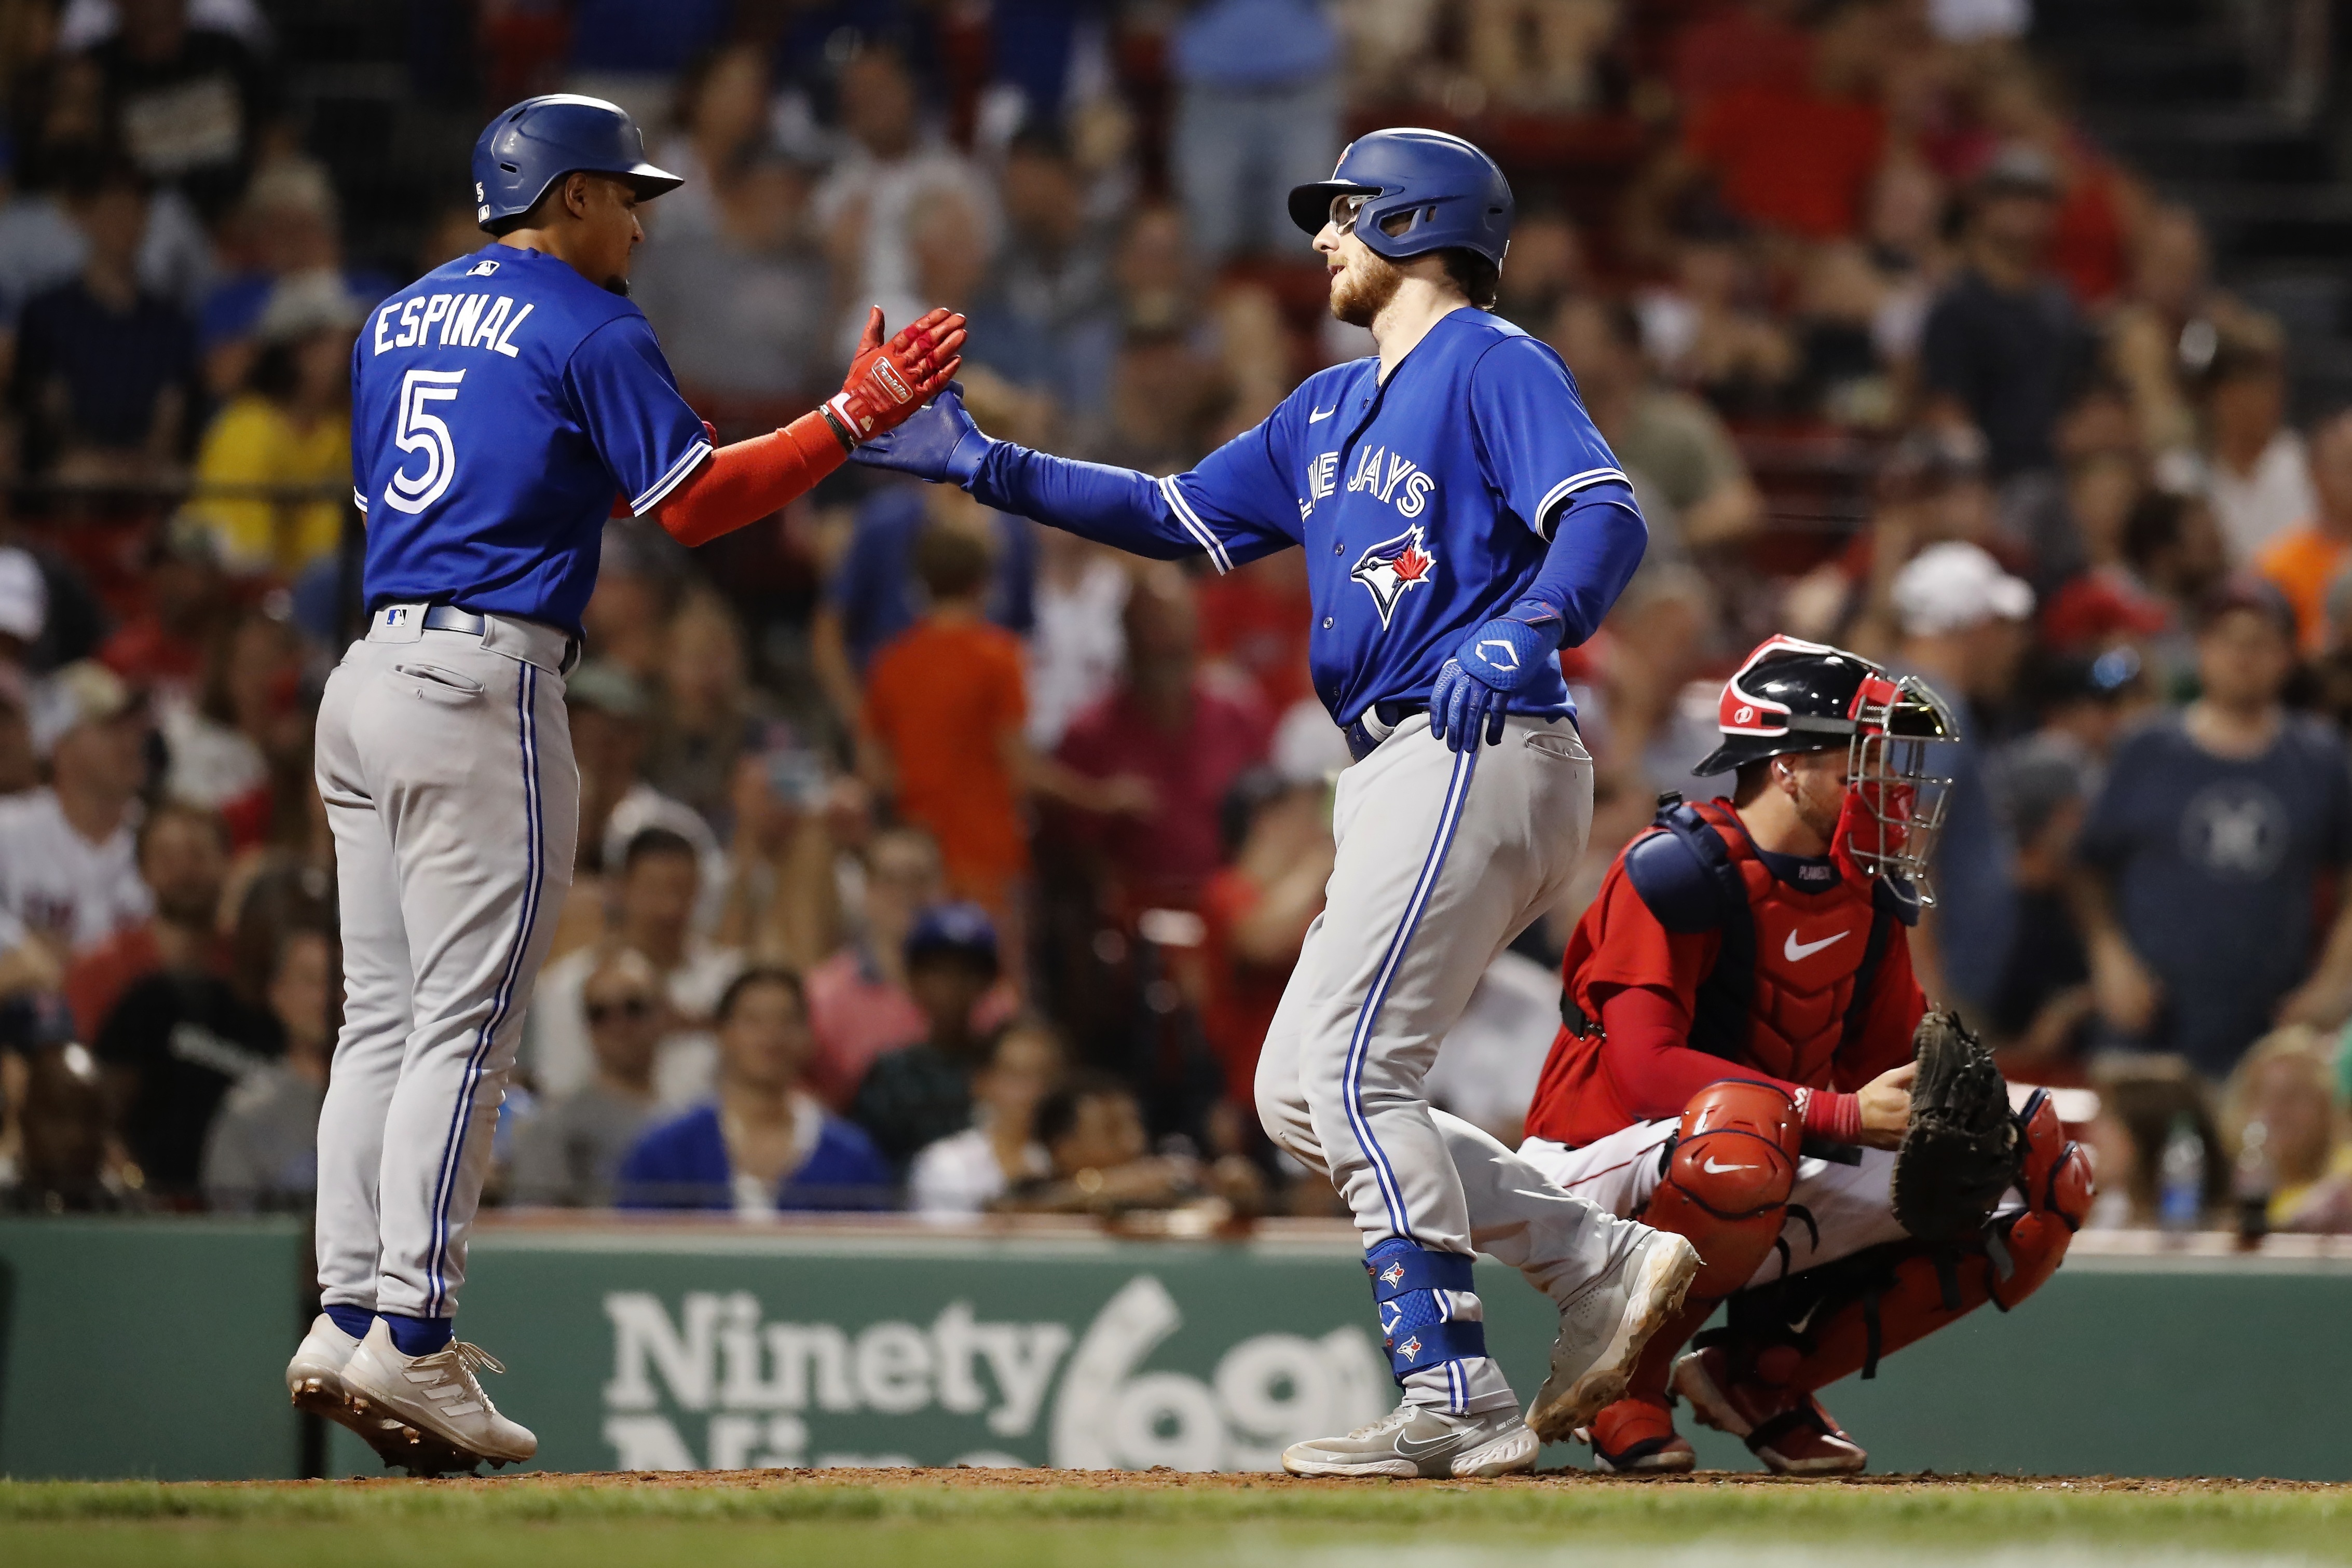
<point>449,618</point>
<point>1362,742</point>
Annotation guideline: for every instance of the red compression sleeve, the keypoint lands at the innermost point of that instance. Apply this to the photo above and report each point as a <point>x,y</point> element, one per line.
<point>1655,1072</point>
<point>745,482</point>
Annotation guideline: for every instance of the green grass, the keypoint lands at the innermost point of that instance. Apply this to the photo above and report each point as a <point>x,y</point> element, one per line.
<point>1232,1523</point>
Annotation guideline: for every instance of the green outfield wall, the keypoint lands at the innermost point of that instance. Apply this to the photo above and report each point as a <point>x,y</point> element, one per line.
<point>154,1348</point>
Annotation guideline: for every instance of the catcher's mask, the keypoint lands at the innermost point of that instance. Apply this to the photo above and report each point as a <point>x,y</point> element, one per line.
<point>1795,696</point>
<point>1894,798</point>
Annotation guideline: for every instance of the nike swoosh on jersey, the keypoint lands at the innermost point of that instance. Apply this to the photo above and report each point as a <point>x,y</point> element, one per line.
<point>1321,415</point>
<point>1794,950</point>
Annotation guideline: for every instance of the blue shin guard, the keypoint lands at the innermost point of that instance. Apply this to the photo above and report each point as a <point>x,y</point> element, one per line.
<point>1428,1306</point>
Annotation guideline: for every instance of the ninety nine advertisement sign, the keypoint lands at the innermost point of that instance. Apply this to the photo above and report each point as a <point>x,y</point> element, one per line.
<point>643,1350</point>
<point>717,1384</point>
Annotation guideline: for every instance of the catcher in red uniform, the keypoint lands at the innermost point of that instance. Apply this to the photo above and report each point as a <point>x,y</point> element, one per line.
<point>1736,1066</point>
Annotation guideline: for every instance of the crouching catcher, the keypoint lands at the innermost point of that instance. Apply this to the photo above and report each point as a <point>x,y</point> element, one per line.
<point>1748,1060</point>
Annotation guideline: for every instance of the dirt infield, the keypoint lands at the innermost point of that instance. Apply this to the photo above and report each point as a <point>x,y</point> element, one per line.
<point>1131,1482</point>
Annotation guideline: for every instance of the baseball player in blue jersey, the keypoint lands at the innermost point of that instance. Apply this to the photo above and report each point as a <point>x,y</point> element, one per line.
<point>498,404</point>
<point>1462,521</point>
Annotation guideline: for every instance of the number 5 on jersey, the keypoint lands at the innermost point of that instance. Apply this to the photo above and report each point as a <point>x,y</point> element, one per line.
<point>419,431</point>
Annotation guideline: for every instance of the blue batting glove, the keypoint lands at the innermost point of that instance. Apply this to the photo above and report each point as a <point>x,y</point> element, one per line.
<point>1472,690</point>
<point>937,442</point>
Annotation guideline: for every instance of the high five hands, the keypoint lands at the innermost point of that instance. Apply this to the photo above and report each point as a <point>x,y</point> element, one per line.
<point>888,382</point>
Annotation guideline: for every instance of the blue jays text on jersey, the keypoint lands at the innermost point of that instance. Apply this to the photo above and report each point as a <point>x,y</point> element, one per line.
<point>1425,505</point>
<point>497,404</point>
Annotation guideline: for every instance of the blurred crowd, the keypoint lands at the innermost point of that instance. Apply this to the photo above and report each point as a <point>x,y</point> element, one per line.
<point>929,858</point>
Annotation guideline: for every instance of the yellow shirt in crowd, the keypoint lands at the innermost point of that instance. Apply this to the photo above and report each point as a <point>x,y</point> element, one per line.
<point>254,442</point>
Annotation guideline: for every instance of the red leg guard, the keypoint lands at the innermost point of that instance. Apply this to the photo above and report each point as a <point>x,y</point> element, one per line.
<point>2056,1174</point>
<point>1902,1299</point>
<point>1726,1187</point>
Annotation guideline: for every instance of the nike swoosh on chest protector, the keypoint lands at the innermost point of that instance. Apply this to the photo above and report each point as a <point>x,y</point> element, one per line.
<point>1795,951</point>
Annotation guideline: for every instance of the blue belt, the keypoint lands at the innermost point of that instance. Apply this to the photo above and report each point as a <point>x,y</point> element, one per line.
<point>449,618</point>
<point>1363,740</point>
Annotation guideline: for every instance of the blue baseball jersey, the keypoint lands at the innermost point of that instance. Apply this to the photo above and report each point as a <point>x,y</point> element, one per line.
<point>499,403</point>
<point>1423,503</point>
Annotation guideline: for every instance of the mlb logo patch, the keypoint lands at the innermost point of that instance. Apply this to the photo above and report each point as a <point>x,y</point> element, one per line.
<point>482,269</point>
<point>1393,567</point>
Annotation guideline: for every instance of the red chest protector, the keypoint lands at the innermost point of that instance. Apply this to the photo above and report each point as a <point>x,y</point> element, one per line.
<point>1792,981</point>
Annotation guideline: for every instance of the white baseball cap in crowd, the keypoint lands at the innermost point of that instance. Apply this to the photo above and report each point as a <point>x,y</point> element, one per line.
<point>1955,585</point>
<point>24,596</point>
<point>84,692</point>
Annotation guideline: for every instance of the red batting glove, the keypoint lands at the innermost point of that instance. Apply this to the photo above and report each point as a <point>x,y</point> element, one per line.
<point>887,382</point>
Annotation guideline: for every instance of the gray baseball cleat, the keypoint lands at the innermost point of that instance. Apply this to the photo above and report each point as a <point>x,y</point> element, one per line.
<point>1601,1334</point>
<point>1420,1440</point>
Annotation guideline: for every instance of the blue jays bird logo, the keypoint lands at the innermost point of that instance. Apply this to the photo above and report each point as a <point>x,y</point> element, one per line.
<point>1392,566</point>
<point>1392,1276</point>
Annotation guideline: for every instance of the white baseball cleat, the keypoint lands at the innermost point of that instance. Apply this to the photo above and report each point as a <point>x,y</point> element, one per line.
<point>314,1379</point>
<point>437,1395</point>
<point>1420,1440</point>
<point>315,1376</point>
<point>1603,1330</point>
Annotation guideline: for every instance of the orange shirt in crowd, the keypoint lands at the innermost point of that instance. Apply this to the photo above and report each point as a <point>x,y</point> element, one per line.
<point>940,699</point>
<point>1789,159</point>
<point>2302,564</point>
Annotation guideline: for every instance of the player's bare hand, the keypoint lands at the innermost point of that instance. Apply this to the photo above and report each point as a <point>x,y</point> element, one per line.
<point>2128,993</point>
<point>1886,1103</point>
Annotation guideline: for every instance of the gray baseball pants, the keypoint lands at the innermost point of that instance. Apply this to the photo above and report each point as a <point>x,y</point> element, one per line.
<point>1442,858</point>
<point>445,760</point>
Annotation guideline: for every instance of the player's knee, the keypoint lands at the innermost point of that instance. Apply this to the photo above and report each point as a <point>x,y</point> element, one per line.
<point>1282,1110</point>
<point>1736,1152</point>
<point>1725,1185</point>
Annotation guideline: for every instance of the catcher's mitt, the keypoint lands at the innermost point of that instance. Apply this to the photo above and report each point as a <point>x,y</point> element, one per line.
<point>1960,1152</point>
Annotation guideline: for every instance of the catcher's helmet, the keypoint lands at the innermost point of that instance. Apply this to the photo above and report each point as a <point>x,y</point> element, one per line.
<point>1807,696</point>
<point>538,142</point>
<point>1454,194</point>
<point>1795,696</point>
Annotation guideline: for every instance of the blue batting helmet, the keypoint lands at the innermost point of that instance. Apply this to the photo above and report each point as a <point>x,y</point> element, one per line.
<point>1452,193</point>
<point>541,140</point>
